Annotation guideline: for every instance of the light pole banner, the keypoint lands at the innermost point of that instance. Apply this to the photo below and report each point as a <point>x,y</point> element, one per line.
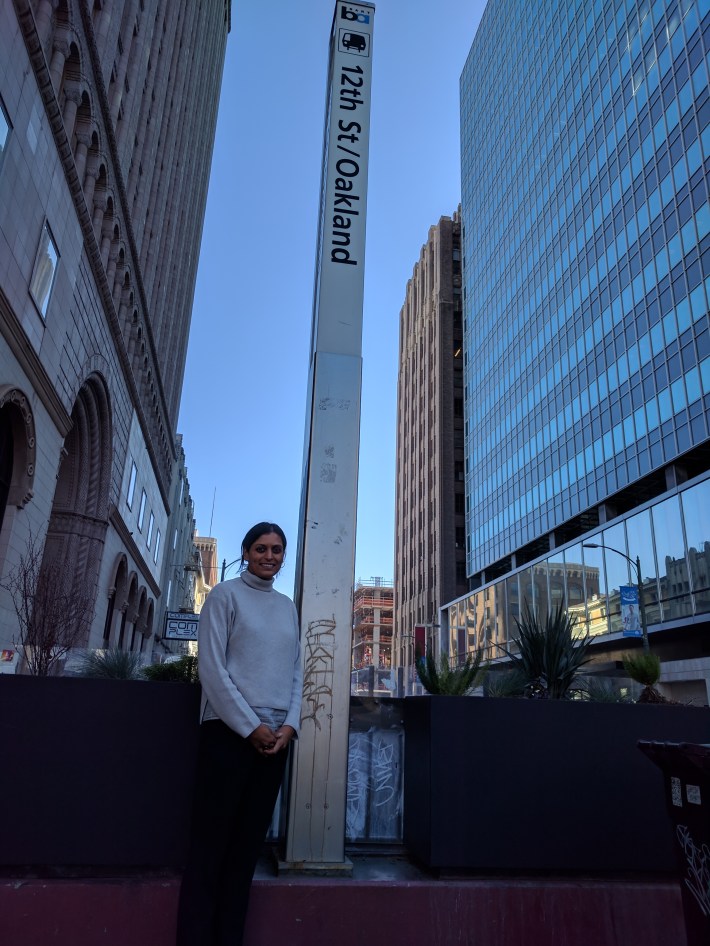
<point>419,641</point>
<point>630,611</point>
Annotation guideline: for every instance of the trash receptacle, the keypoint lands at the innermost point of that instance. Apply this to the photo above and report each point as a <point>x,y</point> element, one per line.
<point>686,772</point>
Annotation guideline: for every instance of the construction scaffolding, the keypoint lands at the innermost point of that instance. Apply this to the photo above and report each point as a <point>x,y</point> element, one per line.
<point>373,615</point>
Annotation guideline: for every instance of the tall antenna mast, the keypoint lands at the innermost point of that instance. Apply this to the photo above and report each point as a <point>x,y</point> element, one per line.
<point>214,497</point>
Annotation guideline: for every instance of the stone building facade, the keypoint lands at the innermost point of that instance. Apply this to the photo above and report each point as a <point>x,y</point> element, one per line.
<point>107,121</point>
<point>181,561</point>
<point>430,552</point>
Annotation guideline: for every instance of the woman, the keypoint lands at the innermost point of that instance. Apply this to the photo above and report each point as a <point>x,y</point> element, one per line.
<point>250,670</point>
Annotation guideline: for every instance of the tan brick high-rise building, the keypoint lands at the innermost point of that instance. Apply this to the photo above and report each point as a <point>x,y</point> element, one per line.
<point>430,543</point>
<point>107,120</point>
<point>207,547</point>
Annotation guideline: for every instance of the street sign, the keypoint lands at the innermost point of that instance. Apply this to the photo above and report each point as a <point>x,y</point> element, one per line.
<point>181,626</point>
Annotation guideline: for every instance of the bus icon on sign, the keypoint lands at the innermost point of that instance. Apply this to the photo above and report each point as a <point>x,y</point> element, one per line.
<point>353,42</point>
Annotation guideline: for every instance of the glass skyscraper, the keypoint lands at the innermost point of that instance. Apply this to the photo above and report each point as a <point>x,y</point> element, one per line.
<point>585,155</point>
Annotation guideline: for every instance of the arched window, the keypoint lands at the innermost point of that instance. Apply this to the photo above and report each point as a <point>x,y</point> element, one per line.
<point>79,517</point>
<point>117,597</point>
<point>17,449</point>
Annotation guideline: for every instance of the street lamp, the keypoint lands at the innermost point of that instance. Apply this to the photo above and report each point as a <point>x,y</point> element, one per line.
<point>225,566</point>
<point>639,584</point>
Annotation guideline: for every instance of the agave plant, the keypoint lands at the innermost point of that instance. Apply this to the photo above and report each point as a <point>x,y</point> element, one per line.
<point>644,668</point>
<point>451,681</point>
<point>602,690</point>
<point>504,683</point>
<point>549,654</point>
<point>114,664</point>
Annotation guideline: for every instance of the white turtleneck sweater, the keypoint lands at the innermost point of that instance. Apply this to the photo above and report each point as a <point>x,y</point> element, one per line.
<point>249,655</point>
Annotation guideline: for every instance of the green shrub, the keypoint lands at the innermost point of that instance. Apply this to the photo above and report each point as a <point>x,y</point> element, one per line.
<point>644,668</point>
<point>183,670</point>
<point>447,680</point>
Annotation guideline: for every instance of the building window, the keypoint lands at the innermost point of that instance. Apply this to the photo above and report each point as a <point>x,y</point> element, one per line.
<point>157,546</point>
<point>141,511</point>
<point>131,485</point>
<point>4,131</point>
<point>151,523</point>
<point>45,270</point>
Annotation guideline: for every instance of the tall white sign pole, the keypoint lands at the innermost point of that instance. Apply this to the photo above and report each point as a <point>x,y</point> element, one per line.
<point>315,837</point>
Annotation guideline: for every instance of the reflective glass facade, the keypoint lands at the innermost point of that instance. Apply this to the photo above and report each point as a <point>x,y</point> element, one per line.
<point>585,137</point>
<point>671,538</point>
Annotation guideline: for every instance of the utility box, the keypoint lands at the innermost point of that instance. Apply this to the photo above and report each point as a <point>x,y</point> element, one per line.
<point>686,772</point>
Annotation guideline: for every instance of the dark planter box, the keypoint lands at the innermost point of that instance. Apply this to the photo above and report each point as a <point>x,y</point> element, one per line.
<point>505,784</point>
<point>96,772</point>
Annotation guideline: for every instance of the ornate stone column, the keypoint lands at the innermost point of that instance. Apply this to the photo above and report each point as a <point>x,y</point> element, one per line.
<point>72,101</point>
<point>124,305</point>
<point>106,238</point>
<point>133,341</point>
<point>80,155</point>
<point>60,52</point>
<point>98,216</point>
<point>118,624</point>
<point>130,328</point>
<point>112,260</point>
<point>90,178</point>
<point>117,288</point>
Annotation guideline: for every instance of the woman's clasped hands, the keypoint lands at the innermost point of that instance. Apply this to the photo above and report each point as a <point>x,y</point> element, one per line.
<point>266,741</point>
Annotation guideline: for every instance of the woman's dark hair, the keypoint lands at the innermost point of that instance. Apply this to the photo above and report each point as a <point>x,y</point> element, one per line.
<point>261,528</point>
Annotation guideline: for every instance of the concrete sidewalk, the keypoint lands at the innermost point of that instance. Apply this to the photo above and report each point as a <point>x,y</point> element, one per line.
<point>387,900</point>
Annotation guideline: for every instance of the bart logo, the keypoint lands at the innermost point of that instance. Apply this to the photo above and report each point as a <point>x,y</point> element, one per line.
<point>354,15</point>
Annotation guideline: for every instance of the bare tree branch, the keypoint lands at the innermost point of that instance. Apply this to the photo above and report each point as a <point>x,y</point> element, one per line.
<point>53,612</point>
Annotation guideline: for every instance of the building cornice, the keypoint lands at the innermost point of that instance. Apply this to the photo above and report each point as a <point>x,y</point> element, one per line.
<point>127,220</point>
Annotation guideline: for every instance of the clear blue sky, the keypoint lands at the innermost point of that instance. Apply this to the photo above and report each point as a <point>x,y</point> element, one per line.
<point>243,403</point>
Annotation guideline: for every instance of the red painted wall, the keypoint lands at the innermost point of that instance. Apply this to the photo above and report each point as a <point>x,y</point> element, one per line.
<point>492,912</point>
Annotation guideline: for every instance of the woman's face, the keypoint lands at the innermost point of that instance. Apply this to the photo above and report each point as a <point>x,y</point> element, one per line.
<point>266,556</point>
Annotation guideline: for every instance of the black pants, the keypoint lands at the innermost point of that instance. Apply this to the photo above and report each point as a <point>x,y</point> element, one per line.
<point>235,794</point>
